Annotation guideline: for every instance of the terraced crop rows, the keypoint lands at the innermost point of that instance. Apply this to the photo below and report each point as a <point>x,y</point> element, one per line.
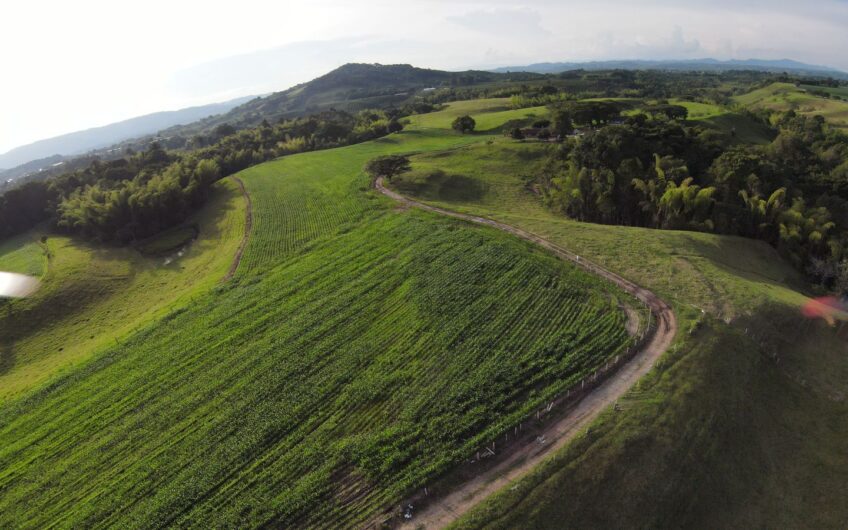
<point>376,362</point>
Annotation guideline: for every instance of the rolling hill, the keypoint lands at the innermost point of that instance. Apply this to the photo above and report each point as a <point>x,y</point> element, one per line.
<point>351,87</point>
<point>787,96</point>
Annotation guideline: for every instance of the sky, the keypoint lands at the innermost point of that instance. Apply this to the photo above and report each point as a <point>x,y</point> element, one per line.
<point>68,66</point>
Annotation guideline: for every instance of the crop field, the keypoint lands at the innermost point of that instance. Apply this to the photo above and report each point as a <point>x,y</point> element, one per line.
<point>92,296</point>
<point>360,351</point>
<point>737,302</point>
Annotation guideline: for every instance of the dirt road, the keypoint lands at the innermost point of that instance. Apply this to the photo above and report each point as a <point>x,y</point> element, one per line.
<point>522,458</point>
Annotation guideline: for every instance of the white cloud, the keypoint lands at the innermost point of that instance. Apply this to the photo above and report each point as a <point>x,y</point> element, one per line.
<point>509,24</point>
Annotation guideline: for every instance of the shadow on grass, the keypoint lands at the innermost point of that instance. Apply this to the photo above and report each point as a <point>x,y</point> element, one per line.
<point>7,357</point>
<point>438,185</point>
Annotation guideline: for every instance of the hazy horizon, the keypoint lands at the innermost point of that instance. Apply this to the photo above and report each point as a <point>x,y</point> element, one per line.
<point>114,64</point>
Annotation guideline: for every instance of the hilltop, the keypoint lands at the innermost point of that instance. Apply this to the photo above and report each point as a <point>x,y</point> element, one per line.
<point>351,87</point>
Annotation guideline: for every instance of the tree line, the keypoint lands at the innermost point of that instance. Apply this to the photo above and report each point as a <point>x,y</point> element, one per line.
<point>142,193</point>
<point>656,172</point>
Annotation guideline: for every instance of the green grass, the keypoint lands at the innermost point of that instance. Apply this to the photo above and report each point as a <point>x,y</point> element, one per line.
<point>721,435</point>
<point>485,175</point>
<point>489,114</point>
<point>23,254</point>
<point>362,350</point>
<point>92,296</point>
<point>698,110</point>
<point>743,128</point>
<point>725,275</point>
<point>841,91</point>
<point>786,96</point>
<point>171,240</point>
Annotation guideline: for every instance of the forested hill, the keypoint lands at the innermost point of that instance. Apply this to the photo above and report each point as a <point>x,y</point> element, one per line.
<point>350,87</point>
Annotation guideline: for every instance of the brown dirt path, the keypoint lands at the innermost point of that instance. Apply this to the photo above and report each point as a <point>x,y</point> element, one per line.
<point>248,225</point>
<point>522,458</point>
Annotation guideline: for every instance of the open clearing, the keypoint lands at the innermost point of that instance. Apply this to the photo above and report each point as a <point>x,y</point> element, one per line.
<point>786,96</point>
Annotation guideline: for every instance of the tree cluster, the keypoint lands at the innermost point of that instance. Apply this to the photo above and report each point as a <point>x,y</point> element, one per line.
<point>792,193</point>
<point>142,193</point>
<point>464,124</point>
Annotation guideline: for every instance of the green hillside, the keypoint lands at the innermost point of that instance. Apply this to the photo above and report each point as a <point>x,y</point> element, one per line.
<point>360,351</point>
<point>23,254</point>
<point>741,426</point>
<point>92,296</point>
<point>840,92</point>
<point>350,87</point>
<point>786,96</point>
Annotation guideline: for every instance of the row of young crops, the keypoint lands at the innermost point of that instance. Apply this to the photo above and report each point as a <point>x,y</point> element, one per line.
<point>311,392</point>
<point>314,395</point>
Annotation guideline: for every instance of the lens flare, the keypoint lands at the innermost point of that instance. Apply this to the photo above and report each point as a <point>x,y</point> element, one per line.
<point>830,308</point>
<point>14,285</point>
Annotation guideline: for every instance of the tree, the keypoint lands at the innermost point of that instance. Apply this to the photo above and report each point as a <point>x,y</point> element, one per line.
<point>464,124</point>
<point>394,126</point>
<point>672,112</point>
<point>387,166</point>
<point>563,125</point>
<point>225,129</point>
<point>517,133</point>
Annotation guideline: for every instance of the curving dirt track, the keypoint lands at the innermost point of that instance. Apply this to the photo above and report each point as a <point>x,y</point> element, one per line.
<point>520,459</point>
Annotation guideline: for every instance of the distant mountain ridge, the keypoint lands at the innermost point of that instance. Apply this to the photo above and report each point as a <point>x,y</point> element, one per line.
<point>79,142</point>
<point>351,87</point>
<point>707,64</point>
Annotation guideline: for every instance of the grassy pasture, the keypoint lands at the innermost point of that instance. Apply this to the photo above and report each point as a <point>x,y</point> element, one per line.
<point>92,296</point>
<point>743,128</point>
<point>489,114</point>
<point>360,351</point>
<point>786,96</point>
<point>698,110</point>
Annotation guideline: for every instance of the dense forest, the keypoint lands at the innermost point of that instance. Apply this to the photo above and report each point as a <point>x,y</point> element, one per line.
<point>654,170</point>
<point>140,194</point>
